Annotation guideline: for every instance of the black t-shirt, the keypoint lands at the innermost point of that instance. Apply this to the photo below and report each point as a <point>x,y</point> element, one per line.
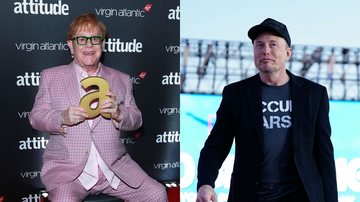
<point>278,167</point>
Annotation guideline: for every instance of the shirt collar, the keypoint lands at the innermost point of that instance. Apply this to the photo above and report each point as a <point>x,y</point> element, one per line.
<point>81,74</point>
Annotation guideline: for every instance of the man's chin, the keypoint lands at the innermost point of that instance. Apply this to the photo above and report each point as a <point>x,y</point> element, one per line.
<point>266,69</point>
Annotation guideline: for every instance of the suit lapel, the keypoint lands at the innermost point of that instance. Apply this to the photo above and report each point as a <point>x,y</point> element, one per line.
<point>105,74</point>
<point>254,99</point>
<point>299,95</point>
<point>71,83</point>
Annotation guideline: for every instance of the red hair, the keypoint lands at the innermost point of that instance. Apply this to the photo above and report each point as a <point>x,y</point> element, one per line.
<point>84,22</point>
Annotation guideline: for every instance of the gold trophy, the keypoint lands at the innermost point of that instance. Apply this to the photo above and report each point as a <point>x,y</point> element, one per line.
<point>97,87</point>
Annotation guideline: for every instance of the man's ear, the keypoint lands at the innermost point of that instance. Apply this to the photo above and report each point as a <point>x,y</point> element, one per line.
<point>289,53</point>
<point>70,45</point>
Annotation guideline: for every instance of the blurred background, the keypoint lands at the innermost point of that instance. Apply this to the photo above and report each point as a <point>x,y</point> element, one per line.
<point>215,51</point>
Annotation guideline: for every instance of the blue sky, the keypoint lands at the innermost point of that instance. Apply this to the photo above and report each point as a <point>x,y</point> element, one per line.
<point>310,22</point>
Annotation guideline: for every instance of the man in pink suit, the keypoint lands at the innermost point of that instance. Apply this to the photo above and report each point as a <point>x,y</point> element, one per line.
<point>85,155</point>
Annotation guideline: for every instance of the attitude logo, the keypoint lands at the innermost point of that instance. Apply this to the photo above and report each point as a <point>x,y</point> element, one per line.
<point>38,7</point>
<point>32,198</point>
<point>172,79</point>
<point>116,45</point>
<point>168,137</point>
<point>33,143</point>
<point>28,79</point>
<point>174,14</point>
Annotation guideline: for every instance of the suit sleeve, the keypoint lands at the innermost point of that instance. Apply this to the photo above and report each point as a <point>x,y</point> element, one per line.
<point>217,145</point>
<point>43,117</point>
<point>130,113</point>
<point>324,151</point>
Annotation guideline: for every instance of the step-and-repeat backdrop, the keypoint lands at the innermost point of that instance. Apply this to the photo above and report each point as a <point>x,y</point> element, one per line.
<point>142,41</point>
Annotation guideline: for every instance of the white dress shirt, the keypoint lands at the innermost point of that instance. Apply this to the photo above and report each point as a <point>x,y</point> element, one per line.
<point>89,177</point>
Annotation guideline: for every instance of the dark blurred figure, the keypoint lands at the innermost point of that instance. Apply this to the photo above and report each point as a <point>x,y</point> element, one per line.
<point>309,60</point>
<point>183,71</point>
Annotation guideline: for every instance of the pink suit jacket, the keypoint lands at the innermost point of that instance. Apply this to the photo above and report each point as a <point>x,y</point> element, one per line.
<point>65,155</point>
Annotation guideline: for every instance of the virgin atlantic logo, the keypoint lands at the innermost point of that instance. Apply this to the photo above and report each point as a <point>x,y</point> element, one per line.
<point>137,79</point>
<point>142,75</point>
<point>147,7</point>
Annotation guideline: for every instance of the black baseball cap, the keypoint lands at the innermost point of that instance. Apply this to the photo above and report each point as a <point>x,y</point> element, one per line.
<point>270,25</point>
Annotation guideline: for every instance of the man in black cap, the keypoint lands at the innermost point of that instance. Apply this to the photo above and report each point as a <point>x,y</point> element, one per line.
<point>281,127</point>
